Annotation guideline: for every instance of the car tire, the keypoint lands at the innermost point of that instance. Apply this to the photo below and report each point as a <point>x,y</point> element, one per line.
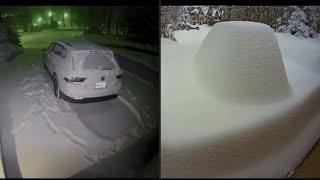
<point>56,87</point>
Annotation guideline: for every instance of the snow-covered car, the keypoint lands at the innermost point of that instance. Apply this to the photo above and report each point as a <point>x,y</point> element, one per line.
<point>82,69</point>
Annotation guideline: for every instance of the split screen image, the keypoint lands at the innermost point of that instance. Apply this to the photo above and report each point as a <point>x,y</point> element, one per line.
<point>180,91</point>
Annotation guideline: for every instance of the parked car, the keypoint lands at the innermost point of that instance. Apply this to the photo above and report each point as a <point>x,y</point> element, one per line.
<point>82,69</point>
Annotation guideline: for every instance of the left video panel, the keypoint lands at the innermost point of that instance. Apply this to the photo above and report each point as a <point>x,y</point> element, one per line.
<point>81,96</point>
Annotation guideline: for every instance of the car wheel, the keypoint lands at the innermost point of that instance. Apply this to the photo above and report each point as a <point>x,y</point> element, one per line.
<point>56,87</point>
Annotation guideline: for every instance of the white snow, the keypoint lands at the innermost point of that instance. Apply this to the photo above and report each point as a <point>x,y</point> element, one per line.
<point>192,37</point>
<point>241,60</point>
<point>203,135</point>
<point>214,12</point>
<point>195,11</point>
<point>193,26</point>
<point>300,21</point>
<point>50,139</point>
<point>205,10</point>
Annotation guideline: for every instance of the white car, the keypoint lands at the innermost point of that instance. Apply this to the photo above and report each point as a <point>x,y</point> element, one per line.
<point>82,69</point>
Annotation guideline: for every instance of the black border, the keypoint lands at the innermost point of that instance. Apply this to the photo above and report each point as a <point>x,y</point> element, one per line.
<point>80,2</point>
<point>240,2</point>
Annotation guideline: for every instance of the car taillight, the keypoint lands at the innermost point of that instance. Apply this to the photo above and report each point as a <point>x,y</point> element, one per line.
<point>74,79</point>
<point>119,76</point>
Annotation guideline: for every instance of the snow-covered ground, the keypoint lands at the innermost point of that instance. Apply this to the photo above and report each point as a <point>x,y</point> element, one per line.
<point>192,36</point>
<point>204,136</point>
<point>54,138</point>
<point>41,124</point>
<point>42,39</point>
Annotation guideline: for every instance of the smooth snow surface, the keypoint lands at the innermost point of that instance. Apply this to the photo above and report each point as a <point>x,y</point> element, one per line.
<point>206,135</point>
<point>241,61</point>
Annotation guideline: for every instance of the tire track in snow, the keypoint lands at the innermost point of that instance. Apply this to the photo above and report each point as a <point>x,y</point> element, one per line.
<point>132,109</point>
<point>142,114</point>
<point>26,121</point>
<point>48,107</point>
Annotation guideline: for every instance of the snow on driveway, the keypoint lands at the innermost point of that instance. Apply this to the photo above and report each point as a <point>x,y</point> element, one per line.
<point>58,139</point>
<point>46,137</point>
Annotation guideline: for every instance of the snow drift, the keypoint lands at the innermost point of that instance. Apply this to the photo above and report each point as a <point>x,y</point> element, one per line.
<point>242,60</point>
<point>203,134</point>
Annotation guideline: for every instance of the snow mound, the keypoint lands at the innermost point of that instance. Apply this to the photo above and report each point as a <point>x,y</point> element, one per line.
<point>241,61</point>
<point>203,135</point>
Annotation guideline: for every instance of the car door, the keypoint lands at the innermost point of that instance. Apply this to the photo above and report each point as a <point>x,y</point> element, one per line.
<point>56,58</point>
<point>47,56</point>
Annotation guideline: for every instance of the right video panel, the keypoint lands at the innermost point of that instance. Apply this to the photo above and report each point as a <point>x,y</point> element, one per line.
<point>240,91</point>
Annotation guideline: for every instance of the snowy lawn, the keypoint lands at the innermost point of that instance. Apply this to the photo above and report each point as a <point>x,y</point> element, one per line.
<point>44,38</point>
<point>54,138</point>
<point>204,136</point>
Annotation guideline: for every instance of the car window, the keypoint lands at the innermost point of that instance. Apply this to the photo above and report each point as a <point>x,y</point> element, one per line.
<point>97,61</point>
<point>64,53</point>
<point>57,49</point>
<point>50,47</point>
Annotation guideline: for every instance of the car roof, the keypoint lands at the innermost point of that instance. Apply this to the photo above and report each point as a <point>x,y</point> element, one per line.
<point>81,45</point>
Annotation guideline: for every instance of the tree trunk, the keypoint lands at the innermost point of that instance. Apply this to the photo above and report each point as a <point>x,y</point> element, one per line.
<point>268,17</point>
<point>63,22</point>
<point>71,17</point>
<point>259,12</point>
<point>109,19</point>
<point>90,16</point>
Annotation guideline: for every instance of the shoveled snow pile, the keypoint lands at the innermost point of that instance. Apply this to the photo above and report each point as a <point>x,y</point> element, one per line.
<point>52,131</point>
<point>204,134</point>
<point>241,61</point>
